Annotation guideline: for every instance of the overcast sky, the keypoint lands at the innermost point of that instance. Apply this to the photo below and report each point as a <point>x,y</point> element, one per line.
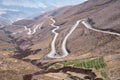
<point>30,6</point>
<point>39,3</point>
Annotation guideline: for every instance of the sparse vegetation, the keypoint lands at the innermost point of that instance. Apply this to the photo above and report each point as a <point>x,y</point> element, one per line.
<point>97,63</point>
<point>103,74</point>
<point>57,66</point>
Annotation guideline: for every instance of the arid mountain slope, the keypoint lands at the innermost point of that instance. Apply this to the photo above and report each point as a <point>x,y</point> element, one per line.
<point>82,44</point>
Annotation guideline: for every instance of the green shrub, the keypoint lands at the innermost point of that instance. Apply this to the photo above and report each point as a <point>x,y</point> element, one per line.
<point>103,74</point>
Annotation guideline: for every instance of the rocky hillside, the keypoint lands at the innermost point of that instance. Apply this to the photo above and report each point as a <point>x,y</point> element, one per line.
<point>83,44</point>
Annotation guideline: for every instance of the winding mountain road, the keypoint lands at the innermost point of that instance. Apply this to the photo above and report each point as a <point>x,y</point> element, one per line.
<point>87,25</point>
<point>35,27</point>
<point>28,29</point>
<point>52,53</point>
<point>64,50</point>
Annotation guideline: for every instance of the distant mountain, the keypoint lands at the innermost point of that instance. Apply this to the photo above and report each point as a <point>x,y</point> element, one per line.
<point>16,10</point>
<point>4,22</point>
<point>24,13</point>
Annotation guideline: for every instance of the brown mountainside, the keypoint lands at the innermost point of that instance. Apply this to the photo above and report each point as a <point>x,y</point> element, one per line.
<point>83,43</point>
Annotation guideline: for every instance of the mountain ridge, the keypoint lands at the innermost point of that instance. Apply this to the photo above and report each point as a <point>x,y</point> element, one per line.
<point>82,44</point>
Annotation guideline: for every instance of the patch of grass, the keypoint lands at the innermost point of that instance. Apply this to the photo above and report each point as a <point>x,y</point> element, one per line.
<point>104,74</point>
<point>97,63</point>
<point>57,66</point>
